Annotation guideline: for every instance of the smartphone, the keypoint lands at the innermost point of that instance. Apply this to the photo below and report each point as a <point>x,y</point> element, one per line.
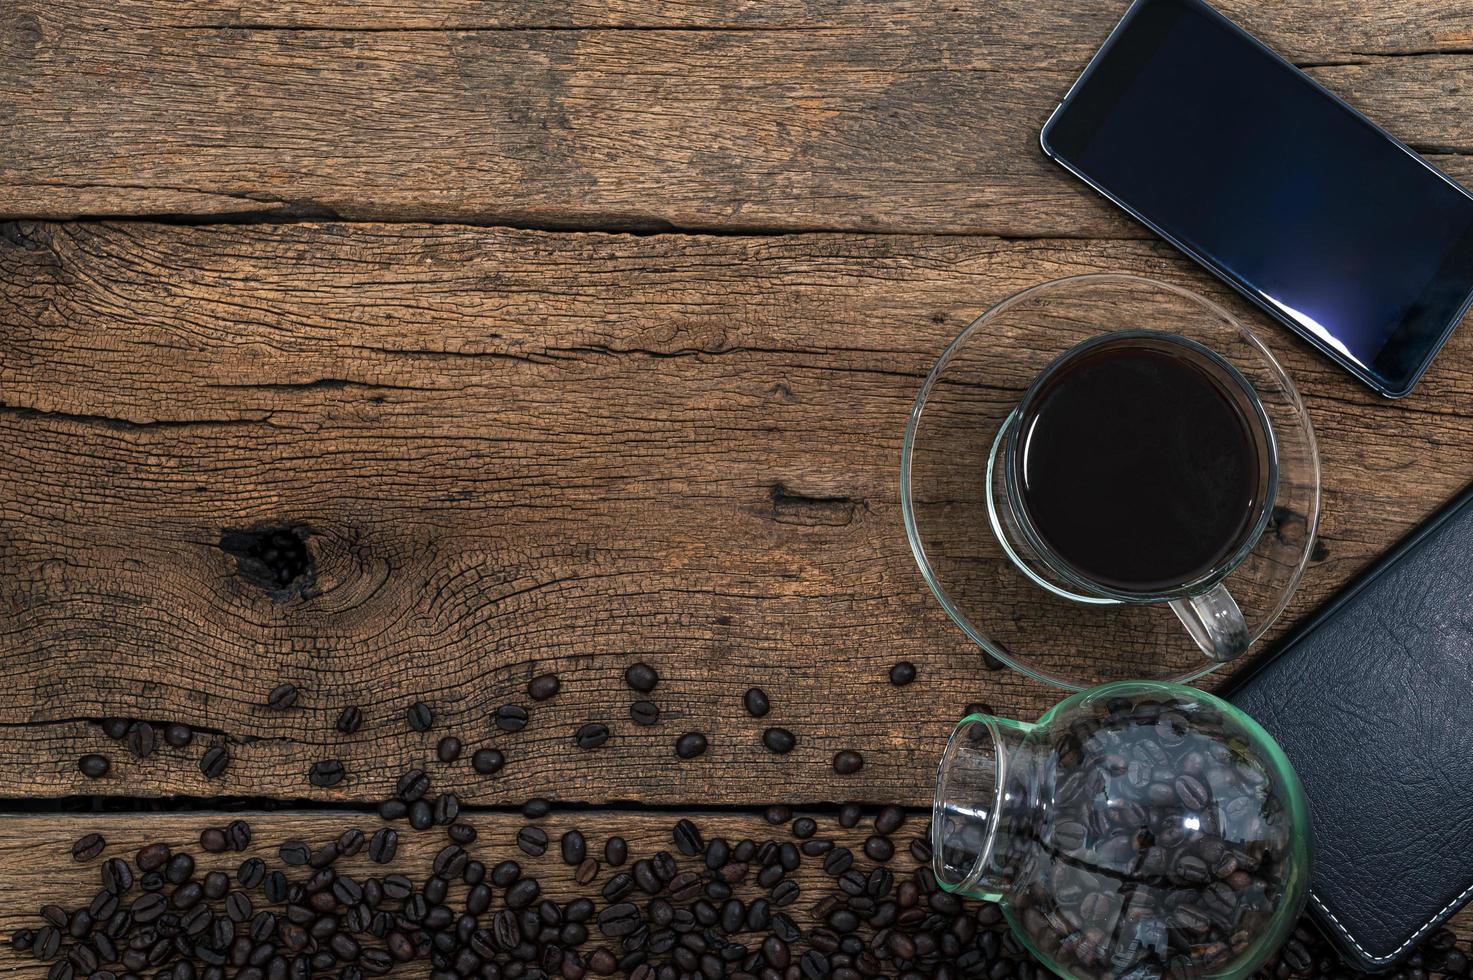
<point>1239,159</point>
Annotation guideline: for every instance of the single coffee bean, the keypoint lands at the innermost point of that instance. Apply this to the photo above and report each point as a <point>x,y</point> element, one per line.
<point>619,919</point>
<point>151,857</point>
<point>536,808</point>
<point>848,762</point>
<point>142,739</point>
<point>838,861</point>
<point>178,735</point>
<point>779,740</point>
<point>586,871</point>
<point>510,718</point>
<point>421,815</point>
<point>213,840</point>
<point>1192,792</point>
<point>282,696</point>
<point>487,762</point>
<point>889,820</point>
<point>778,814</point>
<point>448,750</point>
<point>690,745</point>
<point>688,838</point>
<point>350,719</point>
<point>251,873</point>
<point>413,785</point>
<point>93,766</point>
<point>179,869</point>
<point>641,677</point>
<point>902,673</point>
<point>328,772</point>
<point>523,893</point>
<point>238,832</point>
<point>419,716</point>
<point>574,848</point>
<point>543,686</point>
<point>447,809</point>
<point>616,851</point>
<point>462,833</point>
<point>879,849</point>
<point>115,728</point>
<point>214,762</point>
<point>88,846</point>
<point>618,886</point>
<point>756,703</point>
<point>295,852</point>
<point>532,841</point>
<point>591,735</point>
<point>644,713</point>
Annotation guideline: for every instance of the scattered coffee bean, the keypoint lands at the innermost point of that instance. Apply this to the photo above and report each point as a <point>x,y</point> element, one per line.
<point>532,841</point>
<point>591,735</point>
<point>328,772</point>
<point>510,717</point>
<point>804,827</point>
<point>93,766</point>
<point>688,839</point>
<point>487,762</point>
<point>294,852</point>
<point>543,686</point>
<point>586,871</point>
<point>690,745</point>
<point>641,677</point>
<point>421,815</point>
<point>644,713</point>
<point>178,735</point>
<point>238,833</point>
<point>448,749</point>
<point>574,848</point>
<point>88,846</point>
<point>756,703</point>
<point>214,762</point>
<point>848,762</point>
<point>115,728</point>
<point>902,673</point>
<point>142,739</point>
<point>383,845</point>
<point>779,740</point>
<point>616,851</point>
<point>420,717</point>
<point>536,808</point>
<point>879,849</point>
<point>778,814</point>
<point>350,719</point>
<point>282,696</point>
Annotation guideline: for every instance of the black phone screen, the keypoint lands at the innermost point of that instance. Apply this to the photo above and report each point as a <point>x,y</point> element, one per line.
<point>1243,161</point>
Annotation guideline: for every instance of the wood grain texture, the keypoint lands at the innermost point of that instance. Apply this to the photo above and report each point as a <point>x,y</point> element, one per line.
<point>521,452</point>
<point>36,866</point>
<point>903,116</point>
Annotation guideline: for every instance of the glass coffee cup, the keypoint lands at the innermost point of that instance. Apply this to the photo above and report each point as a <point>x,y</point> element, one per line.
<point>1021,585</point>
<point>1139,467</point>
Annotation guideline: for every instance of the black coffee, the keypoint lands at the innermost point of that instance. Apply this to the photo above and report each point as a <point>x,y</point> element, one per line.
<point>1143,463</point>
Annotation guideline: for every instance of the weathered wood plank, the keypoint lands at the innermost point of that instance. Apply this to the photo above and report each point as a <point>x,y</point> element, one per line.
<point>905,116</point>
<point>521,452</point>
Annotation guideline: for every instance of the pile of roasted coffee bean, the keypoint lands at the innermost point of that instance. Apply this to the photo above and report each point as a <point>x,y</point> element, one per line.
<point>704,907</point>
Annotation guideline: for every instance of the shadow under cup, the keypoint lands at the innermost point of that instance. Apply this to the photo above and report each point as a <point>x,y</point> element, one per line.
<point>1139,467</point>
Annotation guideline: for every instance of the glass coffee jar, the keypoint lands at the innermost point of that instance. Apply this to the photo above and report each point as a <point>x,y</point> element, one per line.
<point>1138,830</point>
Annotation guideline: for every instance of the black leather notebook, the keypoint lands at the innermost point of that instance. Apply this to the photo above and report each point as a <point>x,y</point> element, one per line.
<point>1372,699</point>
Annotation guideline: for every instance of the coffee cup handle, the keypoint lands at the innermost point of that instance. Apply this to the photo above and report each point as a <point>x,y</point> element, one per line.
<point>1215,622</point>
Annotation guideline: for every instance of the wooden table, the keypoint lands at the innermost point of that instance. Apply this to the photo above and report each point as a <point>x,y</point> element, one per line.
<point>561,335</point>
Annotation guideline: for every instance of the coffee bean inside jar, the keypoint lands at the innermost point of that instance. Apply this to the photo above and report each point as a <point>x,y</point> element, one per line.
<point>1142,830</point>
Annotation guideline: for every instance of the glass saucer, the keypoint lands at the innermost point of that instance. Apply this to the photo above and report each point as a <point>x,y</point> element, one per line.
<point>1004,601</point>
